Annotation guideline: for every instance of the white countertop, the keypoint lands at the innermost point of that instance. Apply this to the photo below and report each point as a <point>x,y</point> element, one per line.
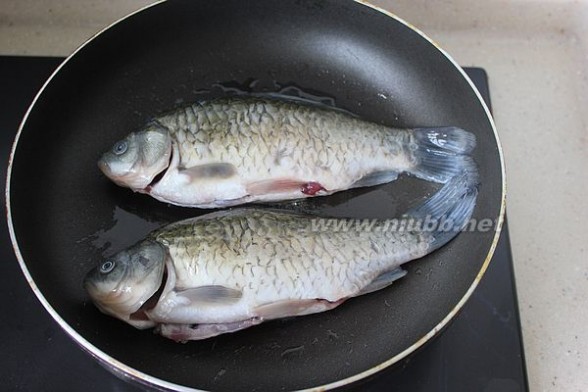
<point>536,55</point>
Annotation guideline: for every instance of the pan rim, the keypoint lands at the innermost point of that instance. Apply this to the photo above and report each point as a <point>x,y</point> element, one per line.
<point>124,371</point>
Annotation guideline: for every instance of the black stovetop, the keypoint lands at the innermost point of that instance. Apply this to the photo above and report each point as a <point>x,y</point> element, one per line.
<point>481,350</point>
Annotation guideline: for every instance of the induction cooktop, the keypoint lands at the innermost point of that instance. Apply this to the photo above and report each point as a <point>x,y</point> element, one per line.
<point>481,349</point>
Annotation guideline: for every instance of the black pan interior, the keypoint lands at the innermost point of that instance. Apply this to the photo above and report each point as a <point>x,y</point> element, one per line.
<point>66,215</point>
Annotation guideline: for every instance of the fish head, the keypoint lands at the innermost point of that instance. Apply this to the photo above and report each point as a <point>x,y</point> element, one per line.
<point>122,284</point>
<point>135,161</point>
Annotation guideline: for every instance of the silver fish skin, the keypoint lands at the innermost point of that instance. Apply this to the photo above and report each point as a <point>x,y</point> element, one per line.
<point>237,150</point>
<point>233,269</point>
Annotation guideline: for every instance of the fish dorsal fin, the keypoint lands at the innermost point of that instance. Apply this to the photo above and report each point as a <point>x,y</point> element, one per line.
<point>211,294</point>
<point>217,170</point>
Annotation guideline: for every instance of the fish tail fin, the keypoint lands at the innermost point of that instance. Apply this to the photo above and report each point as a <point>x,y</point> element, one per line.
<point>449,210</point>
<point>441,153</point>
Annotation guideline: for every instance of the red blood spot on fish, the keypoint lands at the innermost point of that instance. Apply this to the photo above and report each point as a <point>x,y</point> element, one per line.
<point>311,188</point>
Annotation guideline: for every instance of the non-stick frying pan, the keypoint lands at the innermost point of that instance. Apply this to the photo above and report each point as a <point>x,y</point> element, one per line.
<point>64,215</point>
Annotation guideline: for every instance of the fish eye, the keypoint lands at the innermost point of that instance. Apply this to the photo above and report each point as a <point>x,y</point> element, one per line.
<point>107,266</point>
<point>120,147</point>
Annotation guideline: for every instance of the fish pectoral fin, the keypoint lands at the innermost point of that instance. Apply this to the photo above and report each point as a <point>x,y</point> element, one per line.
<point>294,307</point>
<point>220,170</point>
<point>383,280</point>
<point>217,295</point>
<point>376,178</point>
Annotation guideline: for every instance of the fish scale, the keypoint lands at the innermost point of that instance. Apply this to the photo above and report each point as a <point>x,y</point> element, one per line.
<point>256,128</point>
<point>293,244</point>
<point>230,151</point>
<point>233,269</point>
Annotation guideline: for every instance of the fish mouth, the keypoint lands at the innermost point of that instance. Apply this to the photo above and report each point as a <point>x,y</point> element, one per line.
<point>159,176</point>
<point>104,167</point>
<point>141,313</point>
<point>108,171</point>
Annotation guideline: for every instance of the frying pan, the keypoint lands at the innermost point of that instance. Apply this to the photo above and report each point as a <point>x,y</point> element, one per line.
<point>64,216</point>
